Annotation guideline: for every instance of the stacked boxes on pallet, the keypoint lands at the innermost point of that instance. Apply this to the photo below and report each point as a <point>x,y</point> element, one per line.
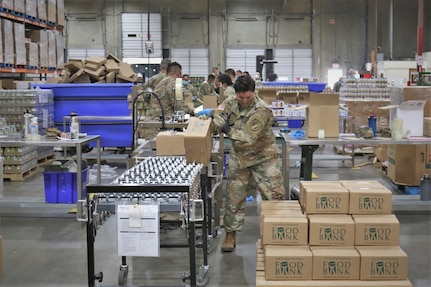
<point>341,233</point>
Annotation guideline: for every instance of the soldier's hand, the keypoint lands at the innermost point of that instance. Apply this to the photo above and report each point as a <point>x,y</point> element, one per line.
<point>220,122</point>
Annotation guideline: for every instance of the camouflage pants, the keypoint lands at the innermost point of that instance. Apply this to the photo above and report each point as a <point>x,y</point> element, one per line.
<point>269,180</point>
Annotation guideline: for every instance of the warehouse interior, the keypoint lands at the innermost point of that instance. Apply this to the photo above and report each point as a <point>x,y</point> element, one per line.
<point>80,153</point>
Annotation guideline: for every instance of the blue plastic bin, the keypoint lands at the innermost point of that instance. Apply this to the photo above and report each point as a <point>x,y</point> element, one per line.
<point>107,100</point>
<point>61,186</point>
<point>294,124</point>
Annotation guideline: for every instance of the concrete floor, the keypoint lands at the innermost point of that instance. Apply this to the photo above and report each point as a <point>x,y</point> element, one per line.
<point>44,245</point>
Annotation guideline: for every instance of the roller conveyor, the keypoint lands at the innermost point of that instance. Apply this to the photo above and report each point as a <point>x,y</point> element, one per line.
<point>168,181</point>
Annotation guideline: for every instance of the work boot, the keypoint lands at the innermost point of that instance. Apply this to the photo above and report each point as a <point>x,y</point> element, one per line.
<point>229,242</point>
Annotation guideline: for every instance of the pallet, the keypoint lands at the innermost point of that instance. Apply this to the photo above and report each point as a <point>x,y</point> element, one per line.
<point>407,189</point>
<point>45,160</point>
<point>20,176</point>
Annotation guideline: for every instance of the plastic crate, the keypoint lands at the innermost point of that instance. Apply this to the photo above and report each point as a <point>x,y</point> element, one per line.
<point>294,124</point>
<point>61,186</point>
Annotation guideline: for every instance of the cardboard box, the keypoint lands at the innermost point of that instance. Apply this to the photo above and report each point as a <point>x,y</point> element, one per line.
<point>361,183</point>
<point>335,263</point>
<point>288,263</point>
<point>377,230</point>
<point>305,183</point>
<point>383,263</point>
<point>326,200</point>
<point>427,127</point>
<point>198,141</point>
<point>367,200</point>
<point>279,213</point>
<point>381,153</point>
<point>330,230</point>
<point>279,204</point>
<point>419,93</point>
<point>322,114</point>
<point>210,102</point>
<point>285,230</point>
<point>412,114</point>
<point>261,282</point>
<point>170,143</point>
<point>288,98</point>
<point>407,163</point>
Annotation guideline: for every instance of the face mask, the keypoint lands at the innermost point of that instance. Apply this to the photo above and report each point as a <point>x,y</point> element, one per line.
<point>185,83</point>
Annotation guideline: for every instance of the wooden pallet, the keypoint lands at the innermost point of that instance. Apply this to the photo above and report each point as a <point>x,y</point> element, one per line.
<point>20,176</point>
<point>45,160</point>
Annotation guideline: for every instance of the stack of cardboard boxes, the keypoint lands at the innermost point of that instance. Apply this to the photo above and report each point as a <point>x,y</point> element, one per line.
<point>33,48</point>
<point>341,233</point>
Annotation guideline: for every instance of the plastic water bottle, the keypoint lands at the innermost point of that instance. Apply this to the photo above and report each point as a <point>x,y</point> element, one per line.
<point>372,122</point>
<point>425,187</point>
<point>74,125</point>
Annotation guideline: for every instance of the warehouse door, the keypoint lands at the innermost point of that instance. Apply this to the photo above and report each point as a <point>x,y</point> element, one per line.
<point>141,35</point>
<point>84,53</point>
<point>243,59</point>
<point>293,64</point>
<point>193,61</point>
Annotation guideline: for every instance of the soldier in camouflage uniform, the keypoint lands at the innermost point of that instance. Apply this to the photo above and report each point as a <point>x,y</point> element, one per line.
<point>227,85</point>
<point>155,79</point>
<point>190,92</point>
<point>247,121</point>
<point>207,87</point>
<point>165,90</point>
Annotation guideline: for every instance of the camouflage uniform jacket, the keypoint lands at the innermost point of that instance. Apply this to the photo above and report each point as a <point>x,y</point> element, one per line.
<point>229,91</point>
<point>154,80</point>
<point>251,134</point>
<point>191,93</point>
<point>165,90</point>
<point>206,89</point>
<point>152,83</point>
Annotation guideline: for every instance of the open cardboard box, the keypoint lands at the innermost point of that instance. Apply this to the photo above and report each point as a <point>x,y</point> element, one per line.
<point>412,114</point>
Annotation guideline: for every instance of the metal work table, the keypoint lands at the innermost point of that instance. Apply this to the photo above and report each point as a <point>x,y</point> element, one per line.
<point>76,143</point>
<point>309,145</point>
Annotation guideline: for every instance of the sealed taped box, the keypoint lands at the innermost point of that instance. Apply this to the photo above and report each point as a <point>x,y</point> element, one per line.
<point>198,141</point>
<point>290,212</point>
<point>370,201</point>
<point>170,143</point>
<point>331,229</point>
<point>279,204</point>
<point>377,230</point>
<point>303,184</point>
<point>383,263</point>
<point>340,263</point>
<point>326,200</point>
<point>285,230</point>
<point>323,114</point>
<point>288,263</point>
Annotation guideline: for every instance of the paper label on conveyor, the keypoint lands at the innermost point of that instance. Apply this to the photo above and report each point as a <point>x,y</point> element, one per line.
<point>138,230</point>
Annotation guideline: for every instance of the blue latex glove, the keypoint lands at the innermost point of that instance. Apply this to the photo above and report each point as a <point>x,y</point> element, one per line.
<point>298,134</point>
<point>205,112</point>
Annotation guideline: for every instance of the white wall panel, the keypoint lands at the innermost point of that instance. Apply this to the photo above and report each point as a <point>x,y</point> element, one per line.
<point>243,59</point>
<point>85,53</point>
<point>194,62</point>
<point>135,33</point>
